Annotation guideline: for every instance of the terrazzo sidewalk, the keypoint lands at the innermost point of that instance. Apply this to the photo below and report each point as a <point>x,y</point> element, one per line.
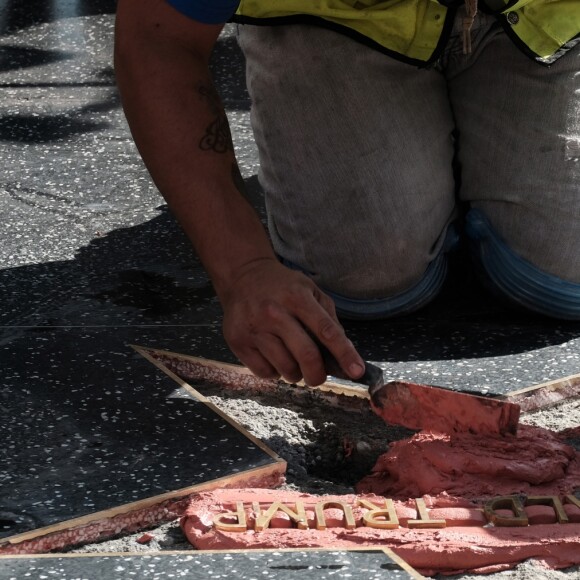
<point>92,262</point>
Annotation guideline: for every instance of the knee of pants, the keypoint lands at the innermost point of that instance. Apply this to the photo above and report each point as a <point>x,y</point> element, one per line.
<point>517,278</point>
<point>428,278</point>
<point>372,274</point>
<point>376,260</point>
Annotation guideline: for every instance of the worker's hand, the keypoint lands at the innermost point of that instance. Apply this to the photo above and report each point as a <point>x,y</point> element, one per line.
<point>269,311</point>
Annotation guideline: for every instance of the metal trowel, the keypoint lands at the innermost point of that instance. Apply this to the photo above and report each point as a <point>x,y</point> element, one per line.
<point>431,408</point>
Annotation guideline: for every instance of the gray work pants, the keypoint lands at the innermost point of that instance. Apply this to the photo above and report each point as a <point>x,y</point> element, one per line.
<point>357,152</point>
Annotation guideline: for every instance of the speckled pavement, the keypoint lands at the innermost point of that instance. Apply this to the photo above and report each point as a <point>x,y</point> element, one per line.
<point>363,564</point>
<point>91,261</point>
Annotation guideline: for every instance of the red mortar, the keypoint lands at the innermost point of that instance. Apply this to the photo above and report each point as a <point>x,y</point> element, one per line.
<point>459,478</point>
<point>535,462</point>
<point>463,545</point>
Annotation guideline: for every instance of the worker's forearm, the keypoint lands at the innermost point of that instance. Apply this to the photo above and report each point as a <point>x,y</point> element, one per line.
<point>182,133</point>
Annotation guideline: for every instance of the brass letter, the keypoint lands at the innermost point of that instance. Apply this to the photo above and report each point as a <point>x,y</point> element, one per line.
<point>239,515</point>
<point>298,516</point>
<point>573,500</point>
<point>387,513</point>
<point>424,521</point>
<point>321,520</point>
<point>550,500</point>
<point>510,502</point>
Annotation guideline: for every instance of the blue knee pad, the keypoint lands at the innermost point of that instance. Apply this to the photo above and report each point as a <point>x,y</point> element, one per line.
<point>516,278</point>
<point>405,302</point>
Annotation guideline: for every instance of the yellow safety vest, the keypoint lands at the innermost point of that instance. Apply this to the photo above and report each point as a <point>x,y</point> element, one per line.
<point>416,31</point>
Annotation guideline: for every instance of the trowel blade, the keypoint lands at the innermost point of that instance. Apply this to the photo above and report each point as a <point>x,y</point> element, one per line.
<point>443,410</point>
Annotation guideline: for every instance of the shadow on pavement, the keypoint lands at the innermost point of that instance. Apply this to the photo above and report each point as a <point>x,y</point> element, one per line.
<point>38,128</point>
<point>149,272</point>
<point>18,14</point>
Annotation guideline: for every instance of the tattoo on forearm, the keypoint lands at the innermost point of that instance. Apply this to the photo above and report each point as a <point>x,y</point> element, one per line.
<point>217,136</point>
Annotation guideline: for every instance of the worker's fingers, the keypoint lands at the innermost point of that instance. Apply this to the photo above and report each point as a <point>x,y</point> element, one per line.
<point>274,311</point>
<point>327,303</point>
<point>259,365</point>
<point>287,346</point>
<point>305,352</point>
<point>274,350</point>
<point>331,334</point>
